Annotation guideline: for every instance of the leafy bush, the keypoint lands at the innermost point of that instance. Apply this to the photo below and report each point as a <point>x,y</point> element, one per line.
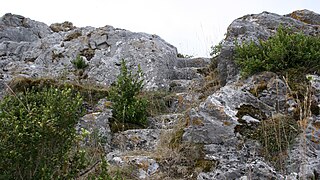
<point>283,51</point>
<point>79,63</point>
<point>37,134</point>
<point>128,106</point>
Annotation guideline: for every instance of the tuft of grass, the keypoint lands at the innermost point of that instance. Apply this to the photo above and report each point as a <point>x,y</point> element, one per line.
<point>179,159</point>
<point>258,88</point>
<point>211,81</point>
<point>276,135</point>
<point>159,102</point>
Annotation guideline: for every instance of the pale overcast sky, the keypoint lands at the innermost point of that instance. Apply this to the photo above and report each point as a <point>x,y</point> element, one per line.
<point>190,25</point>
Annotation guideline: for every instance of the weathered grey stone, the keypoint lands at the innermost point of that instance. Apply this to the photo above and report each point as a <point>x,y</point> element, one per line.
<point>236,162</point>
<point>187,73</point>
<point>215,121</point>
<point>31,49</point>
<point>180,85</point>
<point>25,40</point>
<point>269,89</point>
<point>18,28</point>
<point>166,121</point>
<point>97,124</point>
<point>304,156</point>
<point>136,139</point>
<point>143,166</point>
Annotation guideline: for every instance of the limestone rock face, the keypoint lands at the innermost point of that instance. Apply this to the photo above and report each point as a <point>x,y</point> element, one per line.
<point>218,123</point>
<point>32,49</point>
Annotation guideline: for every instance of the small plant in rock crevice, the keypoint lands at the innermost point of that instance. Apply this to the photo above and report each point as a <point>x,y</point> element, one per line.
<point>128,106</point>
<point>79,63</point>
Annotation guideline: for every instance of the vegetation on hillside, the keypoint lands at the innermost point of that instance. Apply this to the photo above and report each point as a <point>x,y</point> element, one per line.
<point>291,55</point>
<point>38,135</point>
<point>285,50</point>
<point>38,138</point>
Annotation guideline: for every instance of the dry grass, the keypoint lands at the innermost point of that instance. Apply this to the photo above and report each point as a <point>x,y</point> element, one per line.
<point>178,159</point>
<point>91,93</point>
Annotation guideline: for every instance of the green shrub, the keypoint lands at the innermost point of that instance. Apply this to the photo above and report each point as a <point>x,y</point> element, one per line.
<point>282,51</point>
<point>79,63</point>
<point>128,106</point>
<point>37,134</point>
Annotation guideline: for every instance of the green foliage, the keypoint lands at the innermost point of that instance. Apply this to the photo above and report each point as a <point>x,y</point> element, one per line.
<point>79,63</point>
<point>37,134</point>
<point>215,50</point>
<point>128,106</point>
<point>283,51</point>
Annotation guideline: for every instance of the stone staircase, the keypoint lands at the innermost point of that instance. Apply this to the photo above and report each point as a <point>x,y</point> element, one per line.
<point>186,72</point>
<point>137,147</point>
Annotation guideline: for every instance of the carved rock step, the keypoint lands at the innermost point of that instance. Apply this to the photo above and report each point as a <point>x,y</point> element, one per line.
<point>165,121</point>
<point>194,62</point>
<point>180,85</point>
<point>136,139</point>
<point>187,73</point>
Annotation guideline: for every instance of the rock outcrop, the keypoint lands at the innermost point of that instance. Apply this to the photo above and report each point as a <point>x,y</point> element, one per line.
<point>213,129</point>
<point>225,112</point>
<point>32,49</point>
